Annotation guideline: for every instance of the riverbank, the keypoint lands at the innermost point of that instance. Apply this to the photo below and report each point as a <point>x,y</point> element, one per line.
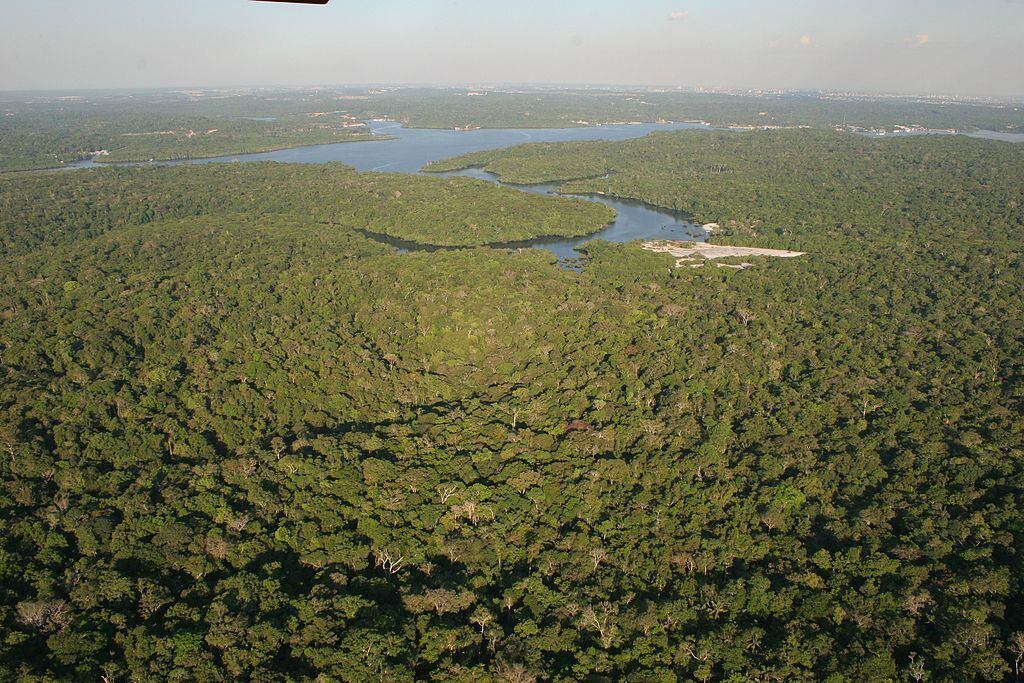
<point>114,160</point>
<point>397,149</point>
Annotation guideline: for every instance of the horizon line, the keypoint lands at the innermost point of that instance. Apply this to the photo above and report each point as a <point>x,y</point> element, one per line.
<point>698,89</point>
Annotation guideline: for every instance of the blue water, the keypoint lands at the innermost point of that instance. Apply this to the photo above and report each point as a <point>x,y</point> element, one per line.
<point>413,148</point>
<point>1001,136</point>
<point>633,220</point>
<point>410,149</point>
<point>997,135</point>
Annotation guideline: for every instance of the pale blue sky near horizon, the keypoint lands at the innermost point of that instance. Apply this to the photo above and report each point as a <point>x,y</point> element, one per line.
<point>907,46</point>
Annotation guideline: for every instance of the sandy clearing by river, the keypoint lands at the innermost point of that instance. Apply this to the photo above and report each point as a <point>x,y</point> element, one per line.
<point>688,252</point>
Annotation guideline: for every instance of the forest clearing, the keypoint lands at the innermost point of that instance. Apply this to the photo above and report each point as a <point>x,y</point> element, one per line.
<point>687,251</point>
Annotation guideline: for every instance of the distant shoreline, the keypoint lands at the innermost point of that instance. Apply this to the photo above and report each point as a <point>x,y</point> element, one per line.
<point>113,163</point>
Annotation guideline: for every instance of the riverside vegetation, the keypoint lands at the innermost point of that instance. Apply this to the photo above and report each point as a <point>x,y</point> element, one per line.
<point>39,131</point>
<point>48,137</point>
<point>242,441</point>
<point>453,212</point>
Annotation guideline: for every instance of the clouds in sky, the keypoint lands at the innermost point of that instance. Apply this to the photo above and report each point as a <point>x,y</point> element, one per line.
<point>919,40</point>
<point>881,45</point>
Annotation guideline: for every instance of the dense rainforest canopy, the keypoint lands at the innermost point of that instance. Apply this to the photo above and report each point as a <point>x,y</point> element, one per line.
<point>793,187</point>
<point>50,135</point>
<point>59,208</point>
<point>40,130</point>
<point>241,441</point>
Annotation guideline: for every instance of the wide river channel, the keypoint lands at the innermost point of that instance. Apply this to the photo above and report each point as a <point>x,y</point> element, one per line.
<point>410,149</point>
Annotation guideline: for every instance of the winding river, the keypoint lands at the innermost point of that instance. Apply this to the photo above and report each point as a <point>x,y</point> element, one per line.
<point>410,149</point>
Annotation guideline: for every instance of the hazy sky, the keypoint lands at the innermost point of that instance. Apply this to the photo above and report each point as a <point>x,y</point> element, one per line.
<point>944,46</point>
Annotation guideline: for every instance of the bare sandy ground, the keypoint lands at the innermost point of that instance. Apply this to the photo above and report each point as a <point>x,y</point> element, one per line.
<point>688,252</point>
